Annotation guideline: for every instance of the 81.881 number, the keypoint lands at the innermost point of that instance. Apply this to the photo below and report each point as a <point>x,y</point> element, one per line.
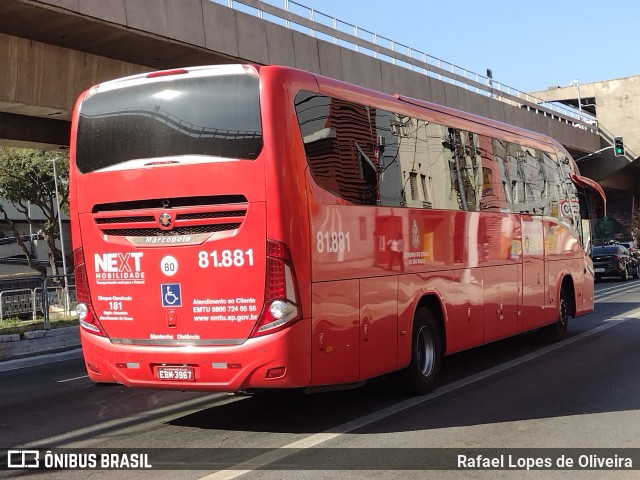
<point>333,242</point>
<point>225,258</point>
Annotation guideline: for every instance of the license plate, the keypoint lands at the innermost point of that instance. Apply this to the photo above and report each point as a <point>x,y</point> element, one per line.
<point>598,270</point>
<point>176,374</point>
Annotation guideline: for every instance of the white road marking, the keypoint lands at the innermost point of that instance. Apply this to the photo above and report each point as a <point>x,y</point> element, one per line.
<point>322,437</point>
<point>72,379</point>
<point>617,288</point>
<point>159,415</point>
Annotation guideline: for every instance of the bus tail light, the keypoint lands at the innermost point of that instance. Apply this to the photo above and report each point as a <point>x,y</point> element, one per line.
<point>281,291</point>
<point>86,315</point>
<point>166,73</point>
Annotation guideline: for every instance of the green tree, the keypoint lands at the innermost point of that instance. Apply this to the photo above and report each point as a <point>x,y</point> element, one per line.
<point>27,182</point>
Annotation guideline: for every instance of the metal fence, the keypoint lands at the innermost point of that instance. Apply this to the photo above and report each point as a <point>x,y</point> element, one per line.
<point>19,302</point>
<point>319,25</point>
<point>55,299</point>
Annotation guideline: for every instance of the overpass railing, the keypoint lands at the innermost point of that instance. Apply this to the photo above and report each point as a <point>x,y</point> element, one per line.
<point>325,27</point>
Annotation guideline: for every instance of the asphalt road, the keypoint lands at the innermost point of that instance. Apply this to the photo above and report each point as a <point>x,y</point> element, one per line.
<point>519,393</point>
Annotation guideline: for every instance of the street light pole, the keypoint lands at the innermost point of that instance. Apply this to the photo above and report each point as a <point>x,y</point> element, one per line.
<point>593,153</point>
<point>64,257</point>
<point>32,249</point>
<point>576,83</point>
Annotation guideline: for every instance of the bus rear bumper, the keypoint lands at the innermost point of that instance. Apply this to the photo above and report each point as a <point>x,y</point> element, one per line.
<point>279,360</point>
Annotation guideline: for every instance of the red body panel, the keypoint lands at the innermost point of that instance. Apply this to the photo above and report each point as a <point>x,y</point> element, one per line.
<point>534,279</point>
<point>335,333</point>
<point>216,302</point>
<point>222,368</point>
<point>491,274</point>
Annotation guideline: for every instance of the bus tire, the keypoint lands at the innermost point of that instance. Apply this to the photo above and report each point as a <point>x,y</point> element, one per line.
<point>423,373</point>
<point>558,331</point>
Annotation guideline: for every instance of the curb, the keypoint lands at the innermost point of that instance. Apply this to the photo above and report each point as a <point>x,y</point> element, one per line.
<point>38,342</point>
<point>34,361</point>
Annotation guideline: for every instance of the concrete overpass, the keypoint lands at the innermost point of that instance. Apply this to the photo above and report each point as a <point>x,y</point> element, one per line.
<point>51,50</point>
<point>616,103</point>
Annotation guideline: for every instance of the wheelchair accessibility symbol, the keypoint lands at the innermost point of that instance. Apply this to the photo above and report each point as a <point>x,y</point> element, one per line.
<point>171,295</point>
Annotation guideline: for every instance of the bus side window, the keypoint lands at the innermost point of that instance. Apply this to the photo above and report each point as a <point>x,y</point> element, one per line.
<point>493,197</point>
<point>388,153</point>
<point>500,155</point>
<point>570,214</point>
<point>411,161</point>
<point>534,182</point>
<point>425,158</point>
<point>465,168</point>
<point>340,147</point>
<point>519,194</point>
<point>552,187</point>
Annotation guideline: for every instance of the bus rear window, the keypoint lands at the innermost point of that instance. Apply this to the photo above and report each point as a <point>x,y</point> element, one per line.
<point>216,115</point>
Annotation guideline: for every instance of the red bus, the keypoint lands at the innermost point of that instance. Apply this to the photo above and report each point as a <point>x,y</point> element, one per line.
<point>239,228</point>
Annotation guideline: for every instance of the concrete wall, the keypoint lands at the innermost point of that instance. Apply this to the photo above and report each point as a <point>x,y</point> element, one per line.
<point>39,84</point>
<point>38,342</point>
<point>166,33</point>
<point>38,79</point>
<point>617,104</point>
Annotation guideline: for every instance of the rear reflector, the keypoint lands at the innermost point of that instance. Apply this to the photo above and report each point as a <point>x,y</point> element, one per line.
<point>93,368</point>
<point>222,365</point>
<point>127,365</point>
<point>276,372</point>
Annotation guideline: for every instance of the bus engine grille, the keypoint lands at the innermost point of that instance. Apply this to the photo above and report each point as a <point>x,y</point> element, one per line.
<point>186,216</point>
<point>155,232</point>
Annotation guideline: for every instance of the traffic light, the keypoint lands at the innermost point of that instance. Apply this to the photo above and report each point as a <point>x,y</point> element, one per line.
<point>618,147</point>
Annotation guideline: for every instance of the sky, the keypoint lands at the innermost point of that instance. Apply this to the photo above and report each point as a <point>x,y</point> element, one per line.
<point>529,46</point>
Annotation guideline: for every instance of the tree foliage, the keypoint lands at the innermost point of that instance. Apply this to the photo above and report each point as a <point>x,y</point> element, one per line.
<point>27,182</point>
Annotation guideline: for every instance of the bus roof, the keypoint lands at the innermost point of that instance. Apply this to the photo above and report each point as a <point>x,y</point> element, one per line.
<point>455,117</point>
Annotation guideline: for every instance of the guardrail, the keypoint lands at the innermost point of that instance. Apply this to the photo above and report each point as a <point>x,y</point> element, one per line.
<point>56,298</point>
<point>17,302</point>
<point>325,27</point>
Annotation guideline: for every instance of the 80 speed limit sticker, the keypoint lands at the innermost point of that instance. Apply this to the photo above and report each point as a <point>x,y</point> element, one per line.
<point>169,265</point>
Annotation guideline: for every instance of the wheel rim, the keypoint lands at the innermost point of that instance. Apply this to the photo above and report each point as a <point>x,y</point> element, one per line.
<point>425,348</point>
<point>564,314</point>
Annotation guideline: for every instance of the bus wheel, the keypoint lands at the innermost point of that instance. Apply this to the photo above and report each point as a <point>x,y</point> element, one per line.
<point>423,373</point>
<point>558,331</point>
